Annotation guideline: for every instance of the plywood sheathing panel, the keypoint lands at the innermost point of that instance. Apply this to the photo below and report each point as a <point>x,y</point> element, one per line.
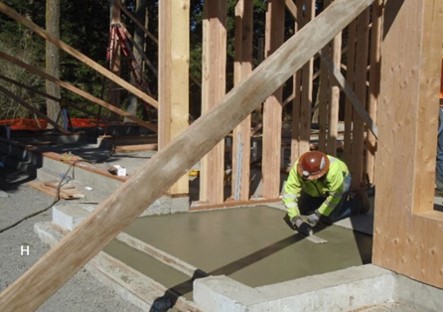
<point>408,232</point>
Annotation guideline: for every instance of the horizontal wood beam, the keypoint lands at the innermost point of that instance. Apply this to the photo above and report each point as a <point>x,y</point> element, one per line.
<point>158,174</point>
<point>74,89</point>
<point>77,54</point>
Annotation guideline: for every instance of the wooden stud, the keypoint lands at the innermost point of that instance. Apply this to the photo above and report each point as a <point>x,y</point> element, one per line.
<point>334,99</point>
<point>158,174</point>
<point>174,76</point>
<point>350,76</point>
<point>296,103</point>
<point>374,85</point>
<point>306,89</point>
<point>272,108</point>
<point>212,169</point>
<point>358,130</point>
<point>241,138</point>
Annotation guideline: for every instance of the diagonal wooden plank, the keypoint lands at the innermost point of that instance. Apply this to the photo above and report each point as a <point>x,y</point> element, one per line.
<point>74,89</point>
<point>168,165</point>
<point>77,54</point>
<point>347,89</point>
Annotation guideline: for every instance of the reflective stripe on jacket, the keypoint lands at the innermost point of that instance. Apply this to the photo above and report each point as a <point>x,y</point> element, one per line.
<point>331,187</point>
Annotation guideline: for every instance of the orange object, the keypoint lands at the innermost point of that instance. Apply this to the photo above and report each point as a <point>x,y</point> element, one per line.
<point>41,124</point>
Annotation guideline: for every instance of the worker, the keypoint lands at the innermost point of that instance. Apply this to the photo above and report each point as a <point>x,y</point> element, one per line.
<point>317,186</point>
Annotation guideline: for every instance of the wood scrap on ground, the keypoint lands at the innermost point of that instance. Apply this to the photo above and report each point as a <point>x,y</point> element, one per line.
<point>52,188</point>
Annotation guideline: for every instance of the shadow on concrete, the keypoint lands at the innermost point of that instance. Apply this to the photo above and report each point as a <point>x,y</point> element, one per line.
<point>169,299</point>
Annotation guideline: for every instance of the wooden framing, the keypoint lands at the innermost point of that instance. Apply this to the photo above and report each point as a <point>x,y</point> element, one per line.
<point>212,168</point>
<point>272,108</point>
<point>78,55</point>
<point>174,77</point>
<point>374,85</point>
<point>241,138</point>
<point>408,232</point>
<point>162,171</point>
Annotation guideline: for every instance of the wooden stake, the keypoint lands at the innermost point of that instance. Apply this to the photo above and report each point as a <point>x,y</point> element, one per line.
<point>159,173</point>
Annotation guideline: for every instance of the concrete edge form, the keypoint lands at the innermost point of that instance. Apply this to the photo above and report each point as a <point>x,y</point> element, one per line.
<point>343,290</point>
<point>130,284</point>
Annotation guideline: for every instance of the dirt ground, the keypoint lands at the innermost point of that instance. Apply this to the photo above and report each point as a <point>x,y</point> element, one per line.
<point>82,293</point>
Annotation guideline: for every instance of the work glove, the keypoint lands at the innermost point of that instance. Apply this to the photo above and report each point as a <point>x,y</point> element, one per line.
<point>314,218</point>
<point>301,226</point>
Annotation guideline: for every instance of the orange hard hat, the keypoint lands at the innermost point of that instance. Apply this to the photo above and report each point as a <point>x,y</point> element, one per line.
<point>313,165</point>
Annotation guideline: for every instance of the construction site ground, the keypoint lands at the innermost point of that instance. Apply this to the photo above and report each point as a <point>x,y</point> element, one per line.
<point>252,245</point>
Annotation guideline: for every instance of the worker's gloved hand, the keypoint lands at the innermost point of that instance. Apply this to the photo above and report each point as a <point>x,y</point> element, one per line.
<point>301,226</point>
<point>314,218</point>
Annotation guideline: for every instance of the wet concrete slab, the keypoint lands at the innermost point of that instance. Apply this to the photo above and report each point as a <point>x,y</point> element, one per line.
<point>252,245</point>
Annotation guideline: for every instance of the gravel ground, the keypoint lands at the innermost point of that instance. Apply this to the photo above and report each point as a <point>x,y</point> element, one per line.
<point>82,293</point>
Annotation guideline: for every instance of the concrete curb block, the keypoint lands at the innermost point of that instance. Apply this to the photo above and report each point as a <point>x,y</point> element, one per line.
<point>343,290</point>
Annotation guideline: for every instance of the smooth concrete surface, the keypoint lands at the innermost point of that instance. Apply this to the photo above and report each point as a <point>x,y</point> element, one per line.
<point>252,245</point>
<point>130,284</point>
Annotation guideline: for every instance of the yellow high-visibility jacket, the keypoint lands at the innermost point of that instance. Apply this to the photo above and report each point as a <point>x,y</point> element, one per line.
<point>331,187</point>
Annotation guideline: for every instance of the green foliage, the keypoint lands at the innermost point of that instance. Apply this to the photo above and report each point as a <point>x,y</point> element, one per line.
<point>85,27</point>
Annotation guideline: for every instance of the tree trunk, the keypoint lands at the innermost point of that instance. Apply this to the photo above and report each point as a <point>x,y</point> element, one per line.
<point>139,39</point>
<point>53,58</point>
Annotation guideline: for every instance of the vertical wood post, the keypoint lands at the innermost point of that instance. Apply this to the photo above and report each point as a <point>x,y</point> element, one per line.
<point>241,145</point>
<point>173,76</point>
<point>306,88</point>
<point>350,76</point>
<point>272,108</point>
<point>213,89</point>
<point>374,84</point>
<point>360,76</point>
<point>296,103</point>
<point>334,98</point>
